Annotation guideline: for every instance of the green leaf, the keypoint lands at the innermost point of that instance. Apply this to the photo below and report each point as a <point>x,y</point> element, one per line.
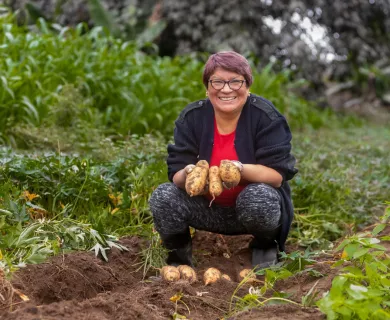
<point>98,248</point>
<point>6,87</point>
<point>116,245</point>
<point>351,248</point>
<point>354,270</point>
<point>345,311</point>
<point>338,284</point>
<point>379,228</point>
<point>102,17</point>
<point>34,12</point>
<point>360,253</point>
<point>357,292</point>
<point>151,33</point>
<point>338,263</point>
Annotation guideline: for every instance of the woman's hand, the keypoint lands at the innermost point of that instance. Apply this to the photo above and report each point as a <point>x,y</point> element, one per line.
<point>179,179</point>
<point>188,168</point>
<point>256,173</point>
<point>240,167</point>
<point>238,164</point>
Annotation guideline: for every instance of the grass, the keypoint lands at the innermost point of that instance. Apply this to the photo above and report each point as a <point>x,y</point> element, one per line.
<point>342,184</point>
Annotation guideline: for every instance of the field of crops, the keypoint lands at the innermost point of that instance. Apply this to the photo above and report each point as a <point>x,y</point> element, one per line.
<point>84,123</point>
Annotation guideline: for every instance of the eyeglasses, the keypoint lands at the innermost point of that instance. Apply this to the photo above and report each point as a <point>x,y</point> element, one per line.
<point>233,84</point>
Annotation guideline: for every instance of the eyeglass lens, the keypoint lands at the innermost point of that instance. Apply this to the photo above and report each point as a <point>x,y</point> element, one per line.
<point>233,84</point>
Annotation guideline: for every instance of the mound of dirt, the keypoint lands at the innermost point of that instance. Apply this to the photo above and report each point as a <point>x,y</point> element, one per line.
<point>80,286</point>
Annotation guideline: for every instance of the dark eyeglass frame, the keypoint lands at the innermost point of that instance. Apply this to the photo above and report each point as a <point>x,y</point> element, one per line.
<point>228,83</point>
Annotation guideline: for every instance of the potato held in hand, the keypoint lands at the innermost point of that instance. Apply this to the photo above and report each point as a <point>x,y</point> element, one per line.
<point>215,183</point>
<point>170,273</point>
<point>211,275</point>
<point>187,273</point>
<point>196,180</point>
<point>229,173</point>
<point>203,164</point>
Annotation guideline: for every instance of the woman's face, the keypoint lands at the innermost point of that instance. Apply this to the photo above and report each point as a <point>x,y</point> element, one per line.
<point>227,100</point>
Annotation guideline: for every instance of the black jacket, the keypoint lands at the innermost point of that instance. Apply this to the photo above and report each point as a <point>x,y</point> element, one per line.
<point>262,137</point>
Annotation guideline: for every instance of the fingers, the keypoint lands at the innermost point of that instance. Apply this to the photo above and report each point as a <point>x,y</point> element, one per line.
<point>226,185</point>
<point>238,164</point>
<point>231,171</point>
<point>188,169</point>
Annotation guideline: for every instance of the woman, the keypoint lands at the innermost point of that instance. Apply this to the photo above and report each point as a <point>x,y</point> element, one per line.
<point>246,129</point>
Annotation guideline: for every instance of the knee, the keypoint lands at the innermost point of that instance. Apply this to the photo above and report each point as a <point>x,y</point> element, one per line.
<point>258,194</point>
<point>163,196</point>
<point>259,205</point>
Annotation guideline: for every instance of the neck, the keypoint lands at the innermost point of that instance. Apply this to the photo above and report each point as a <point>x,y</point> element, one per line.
<point>227,123</point>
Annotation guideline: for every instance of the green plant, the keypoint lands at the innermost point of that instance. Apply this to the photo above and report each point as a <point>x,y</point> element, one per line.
<point>35,241</point>
<point>153,255</point>
<point>262,293</point>
<point>361,290</point>
<point>93,80</point>
<point>126,88</point>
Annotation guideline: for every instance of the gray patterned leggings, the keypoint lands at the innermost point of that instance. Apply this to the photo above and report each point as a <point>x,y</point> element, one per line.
<point>257,212</point>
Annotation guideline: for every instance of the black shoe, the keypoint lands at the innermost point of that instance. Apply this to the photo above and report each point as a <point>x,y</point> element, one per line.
<point>264,258</point>
<point>180,248</point>
<point>265,249</point>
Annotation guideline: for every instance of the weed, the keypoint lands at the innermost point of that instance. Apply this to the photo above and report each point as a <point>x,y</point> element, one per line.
<point>154,255</point>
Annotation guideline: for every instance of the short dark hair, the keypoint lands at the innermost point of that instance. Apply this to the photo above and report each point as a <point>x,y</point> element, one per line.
<point>228,60</point>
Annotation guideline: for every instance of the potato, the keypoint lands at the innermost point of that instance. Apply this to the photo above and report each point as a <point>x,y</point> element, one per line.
<point>245,272</point>
<point>187,273</point>
<point>170,273</point>
<point>226,277</point>
<point>203,164</point>
<point>229,173</point>
<point>197,180</point>
<point>215,183</point>
<point>211,275</point>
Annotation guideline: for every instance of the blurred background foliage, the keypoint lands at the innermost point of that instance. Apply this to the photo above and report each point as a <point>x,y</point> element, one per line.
<point>341,48</point>
<point>62,83</point>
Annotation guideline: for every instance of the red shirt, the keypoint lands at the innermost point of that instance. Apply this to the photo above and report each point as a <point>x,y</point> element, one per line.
<point>223,149</point>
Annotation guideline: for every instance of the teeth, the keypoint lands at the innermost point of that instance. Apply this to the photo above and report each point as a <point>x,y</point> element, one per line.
<point>227,99</point>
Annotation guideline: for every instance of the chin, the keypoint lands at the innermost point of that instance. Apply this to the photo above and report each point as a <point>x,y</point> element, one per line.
<point>228,108</point>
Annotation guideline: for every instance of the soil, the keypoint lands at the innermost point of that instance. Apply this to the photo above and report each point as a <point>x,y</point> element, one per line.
<point>81,286</point>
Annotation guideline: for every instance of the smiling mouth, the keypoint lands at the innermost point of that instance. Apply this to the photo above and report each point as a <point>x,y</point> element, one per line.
<point>227,98</point>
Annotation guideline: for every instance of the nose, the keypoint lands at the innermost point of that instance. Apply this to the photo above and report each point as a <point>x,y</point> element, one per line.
<point>226,88</point>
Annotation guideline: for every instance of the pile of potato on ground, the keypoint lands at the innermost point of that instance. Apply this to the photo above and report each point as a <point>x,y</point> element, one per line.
<point>202,176</point>
<point>211,275</point>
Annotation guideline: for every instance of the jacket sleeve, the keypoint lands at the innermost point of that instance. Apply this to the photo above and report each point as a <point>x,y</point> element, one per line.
<point>273,146</point>
<point>184,150</point>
